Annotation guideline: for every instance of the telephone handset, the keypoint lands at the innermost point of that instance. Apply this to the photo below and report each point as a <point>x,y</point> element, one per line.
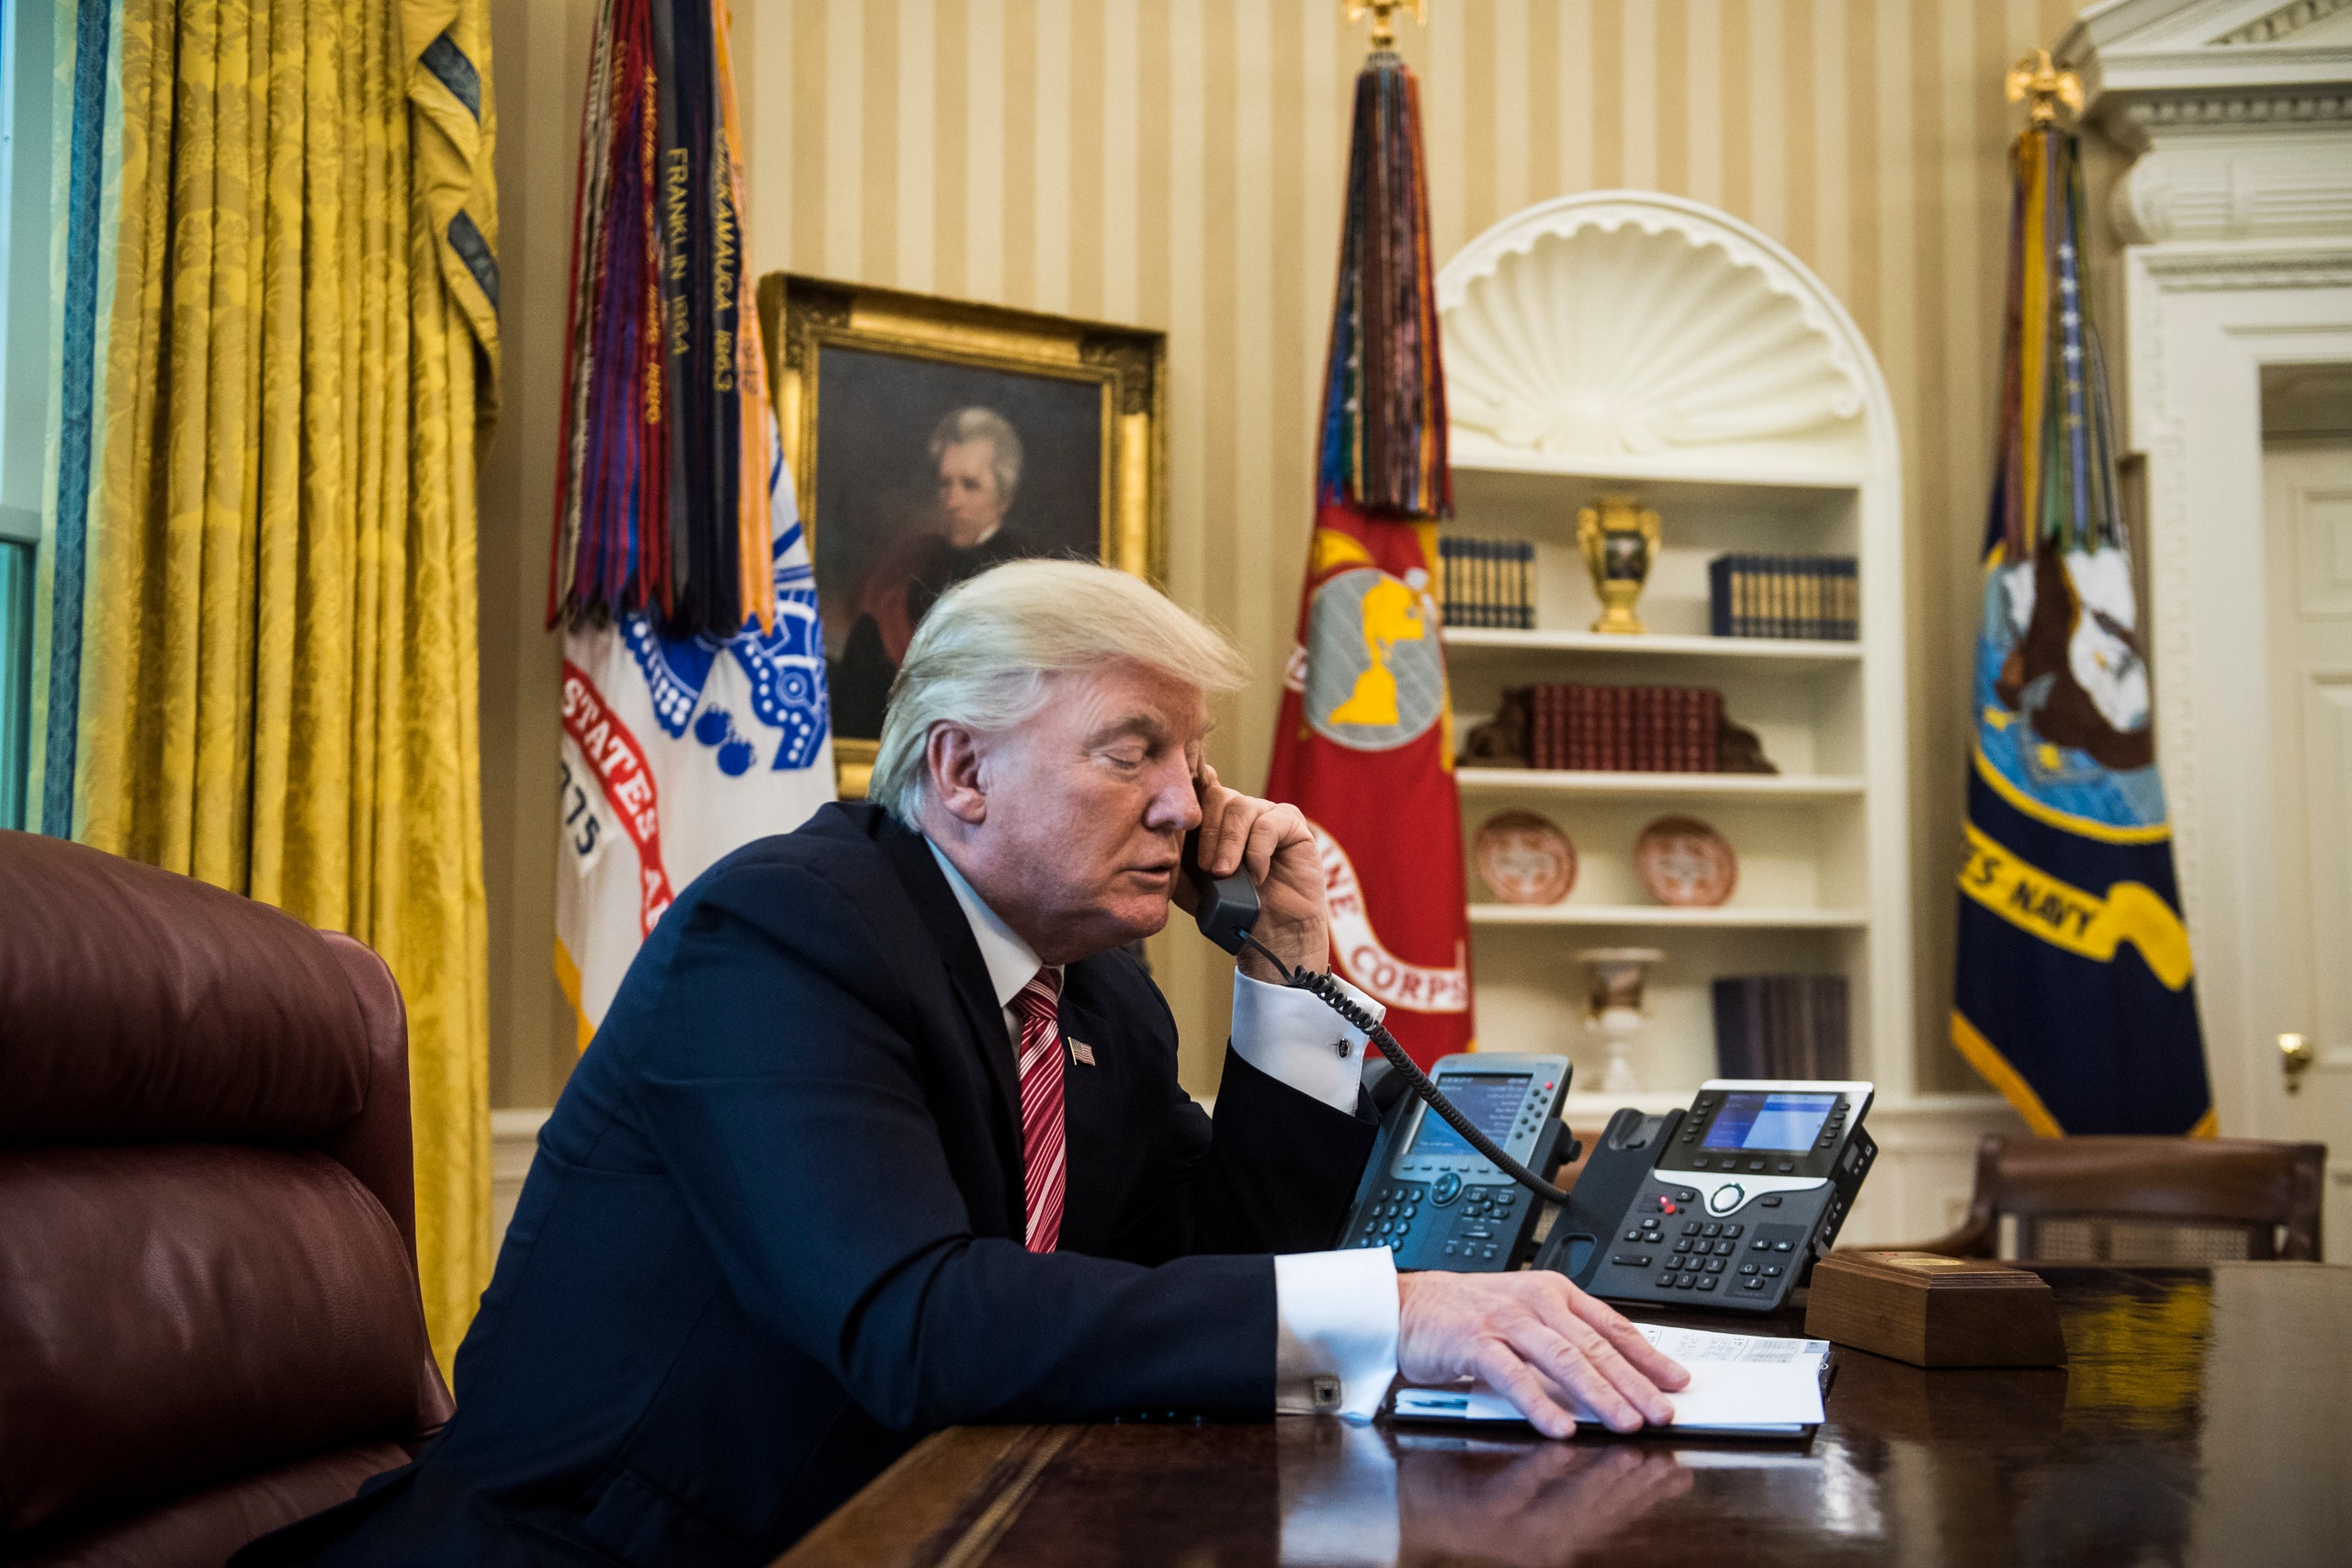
<point>1227,909</point>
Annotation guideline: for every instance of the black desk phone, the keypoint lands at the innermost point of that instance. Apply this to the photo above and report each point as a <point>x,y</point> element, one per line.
<point>1726,1204</point>
<point>1435,1202</point>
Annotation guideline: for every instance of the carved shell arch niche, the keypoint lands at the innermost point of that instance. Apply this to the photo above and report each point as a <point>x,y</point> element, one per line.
<point>1622,329</point>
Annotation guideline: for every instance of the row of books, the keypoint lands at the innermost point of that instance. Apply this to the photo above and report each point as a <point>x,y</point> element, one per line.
<point>1780,1026</point>
<point>1655,729</point>
<point>1815,598</point>
<point>1487,583</point>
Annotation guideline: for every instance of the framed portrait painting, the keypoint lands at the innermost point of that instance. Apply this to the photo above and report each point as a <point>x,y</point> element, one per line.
<point>930,440</point>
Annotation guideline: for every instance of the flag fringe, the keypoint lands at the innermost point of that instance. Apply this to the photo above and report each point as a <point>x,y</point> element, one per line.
<point>1384,437</point>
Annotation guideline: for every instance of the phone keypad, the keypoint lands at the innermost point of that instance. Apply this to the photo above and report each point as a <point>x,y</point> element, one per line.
<point>1389,1215</point>
<point>1475,1230</point>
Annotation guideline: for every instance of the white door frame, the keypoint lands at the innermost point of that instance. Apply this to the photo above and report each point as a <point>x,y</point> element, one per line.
<point>2203,321</point>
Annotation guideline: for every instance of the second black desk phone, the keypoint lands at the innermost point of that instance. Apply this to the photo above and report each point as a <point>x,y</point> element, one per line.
<point>1436,1202</point>
<point>1725,1204</point>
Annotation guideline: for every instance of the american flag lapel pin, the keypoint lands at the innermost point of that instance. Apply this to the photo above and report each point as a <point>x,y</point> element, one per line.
<point>1082,1051</point>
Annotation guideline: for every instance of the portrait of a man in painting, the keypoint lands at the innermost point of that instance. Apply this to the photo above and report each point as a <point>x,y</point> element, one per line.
<point>976,460</point>
<point>931,439</point>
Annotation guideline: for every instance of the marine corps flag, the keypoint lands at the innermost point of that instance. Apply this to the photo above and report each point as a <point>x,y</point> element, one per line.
<point>694,712</point>
<point>1365,746</point>
<point>2075,992</point>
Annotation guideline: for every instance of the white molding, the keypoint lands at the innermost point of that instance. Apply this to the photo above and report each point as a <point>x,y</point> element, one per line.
<point>2252,179</point>
<point>1619,325</point>
<point>2210,268</point>
<point>2237,218</point>
<point>2202,320</point>
<point>2282,22</point>
<point>513,1141</point>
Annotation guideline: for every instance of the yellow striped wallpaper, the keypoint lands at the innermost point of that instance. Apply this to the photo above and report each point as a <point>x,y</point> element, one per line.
<point>1177,165</point>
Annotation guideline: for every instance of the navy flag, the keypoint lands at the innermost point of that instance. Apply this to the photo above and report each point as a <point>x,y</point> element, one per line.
<point>2075,992</point>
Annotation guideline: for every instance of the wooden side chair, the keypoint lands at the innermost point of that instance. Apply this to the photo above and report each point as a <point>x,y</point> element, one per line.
<point>2143,1201</point>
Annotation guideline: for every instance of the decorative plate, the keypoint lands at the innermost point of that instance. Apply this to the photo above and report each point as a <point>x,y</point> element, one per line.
<point>1525,858</point>
<point>1683,861</point>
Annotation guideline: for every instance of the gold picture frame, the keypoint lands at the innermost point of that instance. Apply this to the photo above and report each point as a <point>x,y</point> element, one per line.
<point>805,321</point>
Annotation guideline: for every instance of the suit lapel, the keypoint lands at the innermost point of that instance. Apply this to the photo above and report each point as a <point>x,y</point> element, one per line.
<point>910,856</point>
<point>1090,1120</point>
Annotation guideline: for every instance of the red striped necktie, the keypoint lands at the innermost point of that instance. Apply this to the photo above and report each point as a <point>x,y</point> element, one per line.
<point>1044,1167</point>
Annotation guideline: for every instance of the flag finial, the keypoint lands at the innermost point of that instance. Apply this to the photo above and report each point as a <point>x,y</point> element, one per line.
<point>1384,36</point>
<point>2048,85</point>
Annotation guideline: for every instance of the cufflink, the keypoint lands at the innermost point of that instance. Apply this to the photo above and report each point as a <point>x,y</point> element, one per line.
<point>1346,1048</point>
<point>1326,1393</point>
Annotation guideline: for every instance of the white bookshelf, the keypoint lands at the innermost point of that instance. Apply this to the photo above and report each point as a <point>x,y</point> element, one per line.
<point>1631,342</point>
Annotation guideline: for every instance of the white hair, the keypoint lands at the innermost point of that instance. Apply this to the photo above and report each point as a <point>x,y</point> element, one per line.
<point>983,424</point>
<point>985,656</point>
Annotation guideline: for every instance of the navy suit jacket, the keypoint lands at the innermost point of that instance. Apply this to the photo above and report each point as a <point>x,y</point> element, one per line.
<point>771,1237</point>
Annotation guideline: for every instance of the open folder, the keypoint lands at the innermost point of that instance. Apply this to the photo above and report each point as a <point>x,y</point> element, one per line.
<point>1742,1385</point>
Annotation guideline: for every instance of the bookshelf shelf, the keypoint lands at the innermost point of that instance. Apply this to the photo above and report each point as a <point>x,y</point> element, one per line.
<point>1756,917</point>
<point>1759,788</point>
<point>1783,653</point>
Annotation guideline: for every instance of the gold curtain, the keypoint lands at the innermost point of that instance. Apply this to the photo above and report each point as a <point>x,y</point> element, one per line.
<point>279,693</point>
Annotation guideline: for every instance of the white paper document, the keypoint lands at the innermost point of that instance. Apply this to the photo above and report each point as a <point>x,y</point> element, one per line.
<point>1740,1383</point>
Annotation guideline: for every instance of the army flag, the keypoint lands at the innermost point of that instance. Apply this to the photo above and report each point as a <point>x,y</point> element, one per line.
<point>2076,996</point>
<point>693,700</point>
<point>1364,743</point>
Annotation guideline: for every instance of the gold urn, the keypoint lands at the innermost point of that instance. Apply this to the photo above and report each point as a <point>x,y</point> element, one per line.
<point>1618,538</point>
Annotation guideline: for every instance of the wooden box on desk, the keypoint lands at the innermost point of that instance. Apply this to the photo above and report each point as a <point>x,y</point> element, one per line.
<point>1934,1311</point>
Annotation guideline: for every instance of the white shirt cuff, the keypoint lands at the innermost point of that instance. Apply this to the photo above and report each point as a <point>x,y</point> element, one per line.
<point>1335,1332</point>
<point>1291,1035</point>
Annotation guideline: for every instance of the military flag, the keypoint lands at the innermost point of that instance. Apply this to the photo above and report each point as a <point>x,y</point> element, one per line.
<point>1364,743</point>
<point>2074,991</point>
<point>693,708</point>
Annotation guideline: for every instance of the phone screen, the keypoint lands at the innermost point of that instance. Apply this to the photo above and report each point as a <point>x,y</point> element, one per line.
<point>1782,1122</point>
<point>1491,1101</point>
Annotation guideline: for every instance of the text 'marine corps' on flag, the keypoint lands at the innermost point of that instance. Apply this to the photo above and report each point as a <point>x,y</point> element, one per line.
<point>1363,744</point>
<point>2074,991</point>
<point>693,705</point>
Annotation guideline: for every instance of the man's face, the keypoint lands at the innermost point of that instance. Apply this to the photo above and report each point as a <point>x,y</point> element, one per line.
<point>1086,810</point>
<point>968,497</point>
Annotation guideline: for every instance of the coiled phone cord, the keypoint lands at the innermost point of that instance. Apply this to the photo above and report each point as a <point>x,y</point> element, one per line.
<point>1327,989</point>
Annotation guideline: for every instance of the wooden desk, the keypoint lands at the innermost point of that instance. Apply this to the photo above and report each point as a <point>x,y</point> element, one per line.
<point>2206,1417</point>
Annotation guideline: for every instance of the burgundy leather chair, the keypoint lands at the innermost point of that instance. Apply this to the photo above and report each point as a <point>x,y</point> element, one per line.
<point>210,1321</point>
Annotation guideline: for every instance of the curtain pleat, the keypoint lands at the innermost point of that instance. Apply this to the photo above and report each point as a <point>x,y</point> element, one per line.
<point>281,695</point>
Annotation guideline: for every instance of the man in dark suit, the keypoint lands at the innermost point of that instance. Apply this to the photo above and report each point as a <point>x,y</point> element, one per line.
<point>883,1134</point>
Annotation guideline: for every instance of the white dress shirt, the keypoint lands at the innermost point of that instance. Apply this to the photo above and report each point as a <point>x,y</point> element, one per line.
<point>1335,1311</point>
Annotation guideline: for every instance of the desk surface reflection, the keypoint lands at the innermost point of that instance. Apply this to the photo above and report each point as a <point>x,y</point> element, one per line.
<point>2201,1420</point>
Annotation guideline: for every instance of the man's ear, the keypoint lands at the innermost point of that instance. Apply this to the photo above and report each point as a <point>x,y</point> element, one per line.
<point>952,756</point>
